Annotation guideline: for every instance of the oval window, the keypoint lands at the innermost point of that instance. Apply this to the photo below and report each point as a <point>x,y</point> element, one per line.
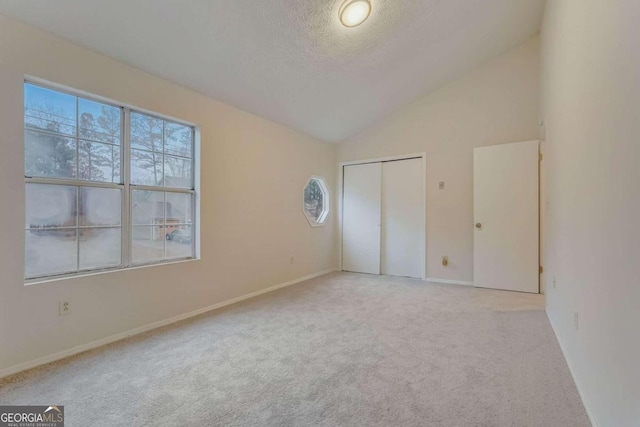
<point>316,201</point>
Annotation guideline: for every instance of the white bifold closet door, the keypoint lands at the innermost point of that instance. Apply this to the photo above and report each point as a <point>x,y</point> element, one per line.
<point>403,219</point>
<point>383,218</point>
<point>361,207</point>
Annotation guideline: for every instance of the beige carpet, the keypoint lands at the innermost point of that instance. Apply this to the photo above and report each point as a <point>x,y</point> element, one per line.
<point>341,350</point>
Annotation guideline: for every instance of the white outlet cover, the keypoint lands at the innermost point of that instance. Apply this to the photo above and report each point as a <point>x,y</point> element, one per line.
<point>61,307</point>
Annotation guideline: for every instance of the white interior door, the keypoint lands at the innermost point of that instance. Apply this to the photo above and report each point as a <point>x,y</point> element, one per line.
<point>402,239</point>
<point>361,207</point>
<point>506,194</point>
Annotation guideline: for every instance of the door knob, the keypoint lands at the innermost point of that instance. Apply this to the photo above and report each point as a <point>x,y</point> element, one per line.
<point>478,225</point>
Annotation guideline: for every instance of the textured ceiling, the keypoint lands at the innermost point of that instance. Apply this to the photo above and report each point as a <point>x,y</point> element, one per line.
<point>291,61</point>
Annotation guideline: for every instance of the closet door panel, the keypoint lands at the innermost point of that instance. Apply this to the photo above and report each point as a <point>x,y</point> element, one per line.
<point>361,208</point>
<point>403,219</point>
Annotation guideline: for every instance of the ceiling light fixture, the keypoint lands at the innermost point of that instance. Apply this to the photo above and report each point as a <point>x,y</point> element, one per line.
<point>354,12</point>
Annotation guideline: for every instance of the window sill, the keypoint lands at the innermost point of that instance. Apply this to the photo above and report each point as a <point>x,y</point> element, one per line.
<point>43,280</point>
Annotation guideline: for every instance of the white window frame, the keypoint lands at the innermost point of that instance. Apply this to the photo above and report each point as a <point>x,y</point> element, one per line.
<point>125,185</point>
<point>322,219</point>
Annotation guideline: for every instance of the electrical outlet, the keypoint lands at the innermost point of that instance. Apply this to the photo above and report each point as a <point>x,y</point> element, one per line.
<point>575,320</point>
<point>64,307</point>
<point>445,261</point>
<point>292,260</point>
<point>553,281</point>
<point>441,185</point>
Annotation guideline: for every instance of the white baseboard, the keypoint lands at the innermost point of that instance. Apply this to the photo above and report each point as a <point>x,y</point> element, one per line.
<point>122,335</point>
<point>581,392</point>
<point>449,282</point>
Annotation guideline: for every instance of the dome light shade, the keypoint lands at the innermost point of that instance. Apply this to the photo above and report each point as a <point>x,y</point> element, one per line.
<point>354,12</point>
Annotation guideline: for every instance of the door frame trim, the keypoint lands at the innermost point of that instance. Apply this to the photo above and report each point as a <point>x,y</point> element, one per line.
<point>423,157</point>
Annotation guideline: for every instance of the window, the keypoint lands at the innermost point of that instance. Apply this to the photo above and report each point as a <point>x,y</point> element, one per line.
<point>107,187</point>
<point>316,201</point>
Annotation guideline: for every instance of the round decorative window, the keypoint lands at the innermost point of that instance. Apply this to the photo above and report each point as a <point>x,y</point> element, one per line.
<point>316,201</point>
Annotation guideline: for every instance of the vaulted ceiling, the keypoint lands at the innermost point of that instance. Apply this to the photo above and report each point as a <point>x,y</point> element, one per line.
<point>291,61</point>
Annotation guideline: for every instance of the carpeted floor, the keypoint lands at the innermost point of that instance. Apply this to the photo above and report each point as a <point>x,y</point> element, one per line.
<point>341,350</point>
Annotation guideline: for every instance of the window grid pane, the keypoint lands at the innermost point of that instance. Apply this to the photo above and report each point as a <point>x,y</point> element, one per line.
<point>49,155</point>
<point>100,248</point>
<point>162,225</point>
<point>50,252</point>
<point>49,110</point>
<point>71,228</point>
<point>70,138</point>
<point>161,152</point>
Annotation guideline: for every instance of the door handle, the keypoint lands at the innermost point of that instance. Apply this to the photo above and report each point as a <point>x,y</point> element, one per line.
<point>478,225</point>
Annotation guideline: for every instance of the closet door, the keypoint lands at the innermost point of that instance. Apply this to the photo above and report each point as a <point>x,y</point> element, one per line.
<point>361,218</point>
<point>403,219</point>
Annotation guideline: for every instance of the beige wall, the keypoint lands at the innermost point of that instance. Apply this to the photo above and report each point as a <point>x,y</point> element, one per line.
<point>253,172</point>
<point>496,103</point>
<point>591,109</point>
